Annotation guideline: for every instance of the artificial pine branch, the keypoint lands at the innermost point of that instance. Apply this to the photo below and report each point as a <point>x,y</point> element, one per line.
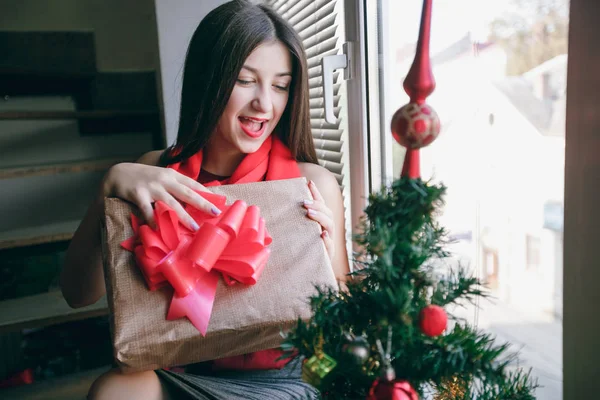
<point>458,286</point>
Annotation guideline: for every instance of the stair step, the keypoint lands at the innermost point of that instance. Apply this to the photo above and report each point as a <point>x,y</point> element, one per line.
<point>71,387</point>
<point>30,236</point>
<point>46,52</point>
<point>78,115</point>
<point>64,167</point>
<point>44,309</point>
<point>97,122</point>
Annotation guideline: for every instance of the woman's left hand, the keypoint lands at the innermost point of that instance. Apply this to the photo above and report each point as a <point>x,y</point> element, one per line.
<point>319,212</point>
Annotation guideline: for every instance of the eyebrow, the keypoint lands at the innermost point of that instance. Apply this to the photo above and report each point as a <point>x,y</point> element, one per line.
<point>254,70</point>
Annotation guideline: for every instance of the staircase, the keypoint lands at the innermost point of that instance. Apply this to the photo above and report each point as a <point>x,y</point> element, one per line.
<point>62,125</point>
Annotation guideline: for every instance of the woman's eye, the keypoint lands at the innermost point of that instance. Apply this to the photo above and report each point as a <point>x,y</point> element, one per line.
<point>282,88</point>
<point>243,82</point>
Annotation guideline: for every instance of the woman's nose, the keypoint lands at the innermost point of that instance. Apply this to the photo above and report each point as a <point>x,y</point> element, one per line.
<point>262,101</point>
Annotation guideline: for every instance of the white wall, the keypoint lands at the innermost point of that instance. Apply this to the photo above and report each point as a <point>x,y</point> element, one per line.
<point>176,24</point>
<point>125,31</point>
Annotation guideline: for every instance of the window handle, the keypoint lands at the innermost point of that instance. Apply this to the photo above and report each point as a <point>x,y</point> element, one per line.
<point>328,65</point>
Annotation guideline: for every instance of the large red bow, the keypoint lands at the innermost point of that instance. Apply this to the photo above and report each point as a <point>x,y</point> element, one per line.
<point>233,244</point>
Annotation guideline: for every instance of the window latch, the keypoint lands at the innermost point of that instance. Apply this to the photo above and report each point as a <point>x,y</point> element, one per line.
<point>328,65</point>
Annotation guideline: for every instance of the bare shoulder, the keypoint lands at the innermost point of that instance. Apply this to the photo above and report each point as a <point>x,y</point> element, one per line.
<point>320,175</point>
<point>324,179</point>
<point>150,158</point>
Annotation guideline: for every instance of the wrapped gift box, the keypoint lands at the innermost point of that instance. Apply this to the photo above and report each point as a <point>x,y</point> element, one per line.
<point>244,319</point>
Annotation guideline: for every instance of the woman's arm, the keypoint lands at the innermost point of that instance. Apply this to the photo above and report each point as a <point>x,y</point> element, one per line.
<point>329,189</point>
<point>82,278</point>
<point>141,183</point>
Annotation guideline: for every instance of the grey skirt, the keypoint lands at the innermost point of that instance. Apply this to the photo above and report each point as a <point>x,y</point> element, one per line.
<point>277,384</point>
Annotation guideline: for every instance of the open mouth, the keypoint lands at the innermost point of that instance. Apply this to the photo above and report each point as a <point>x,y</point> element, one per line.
<point>253,127</point>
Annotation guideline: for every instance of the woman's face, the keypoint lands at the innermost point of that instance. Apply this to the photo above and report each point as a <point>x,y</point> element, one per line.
<point>258,100</point>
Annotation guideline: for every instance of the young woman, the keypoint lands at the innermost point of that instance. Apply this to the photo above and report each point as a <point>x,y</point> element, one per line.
<point>244,106</point>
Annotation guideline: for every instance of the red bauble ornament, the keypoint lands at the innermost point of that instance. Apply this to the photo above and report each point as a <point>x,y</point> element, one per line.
<point>433,320</point>
<point>392,390</point>
<point>415,125</point>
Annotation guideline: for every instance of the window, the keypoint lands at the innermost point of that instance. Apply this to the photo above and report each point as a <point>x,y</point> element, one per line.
<point>532,251</point>
<point>500,71</point>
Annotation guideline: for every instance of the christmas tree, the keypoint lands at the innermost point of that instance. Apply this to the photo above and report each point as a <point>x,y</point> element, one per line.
<point>385,336</point>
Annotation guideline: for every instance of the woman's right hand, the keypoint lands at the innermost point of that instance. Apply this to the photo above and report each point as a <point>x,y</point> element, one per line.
<point>143,185</point>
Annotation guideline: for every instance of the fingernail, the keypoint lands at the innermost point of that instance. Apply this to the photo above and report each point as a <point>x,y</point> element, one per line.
<point>325,233</point>
<point>312,212</point>
<point>195,226</point>
<point>311,182</point>
<point>307,202</point>
<point>215,211</point>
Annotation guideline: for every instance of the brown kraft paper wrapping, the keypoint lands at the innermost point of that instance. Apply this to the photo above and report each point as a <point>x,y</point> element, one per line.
<point>245,319</point>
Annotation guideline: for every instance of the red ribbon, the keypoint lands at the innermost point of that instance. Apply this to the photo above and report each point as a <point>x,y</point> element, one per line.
<point>232,245</point>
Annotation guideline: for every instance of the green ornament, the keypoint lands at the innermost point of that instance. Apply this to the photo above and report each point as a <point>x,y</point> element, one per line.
<point>316,368</point>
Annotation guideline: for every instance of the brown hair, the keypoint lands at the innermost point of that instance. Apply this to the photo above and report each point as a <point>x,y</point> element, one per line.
<point>216,53</point>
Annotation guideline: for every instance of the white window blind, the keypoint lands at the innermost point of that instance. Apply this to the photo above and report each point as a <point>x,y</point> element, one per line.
<point>318,24</point>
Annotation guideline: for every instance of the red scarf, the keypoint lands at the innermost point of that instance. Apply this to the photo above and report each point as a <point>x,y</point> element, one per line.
<point>272,161</point>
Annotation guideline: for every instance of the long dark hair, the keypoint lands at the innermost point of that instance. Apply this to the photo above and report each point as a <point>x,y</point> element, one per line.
<point>216,53</point>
